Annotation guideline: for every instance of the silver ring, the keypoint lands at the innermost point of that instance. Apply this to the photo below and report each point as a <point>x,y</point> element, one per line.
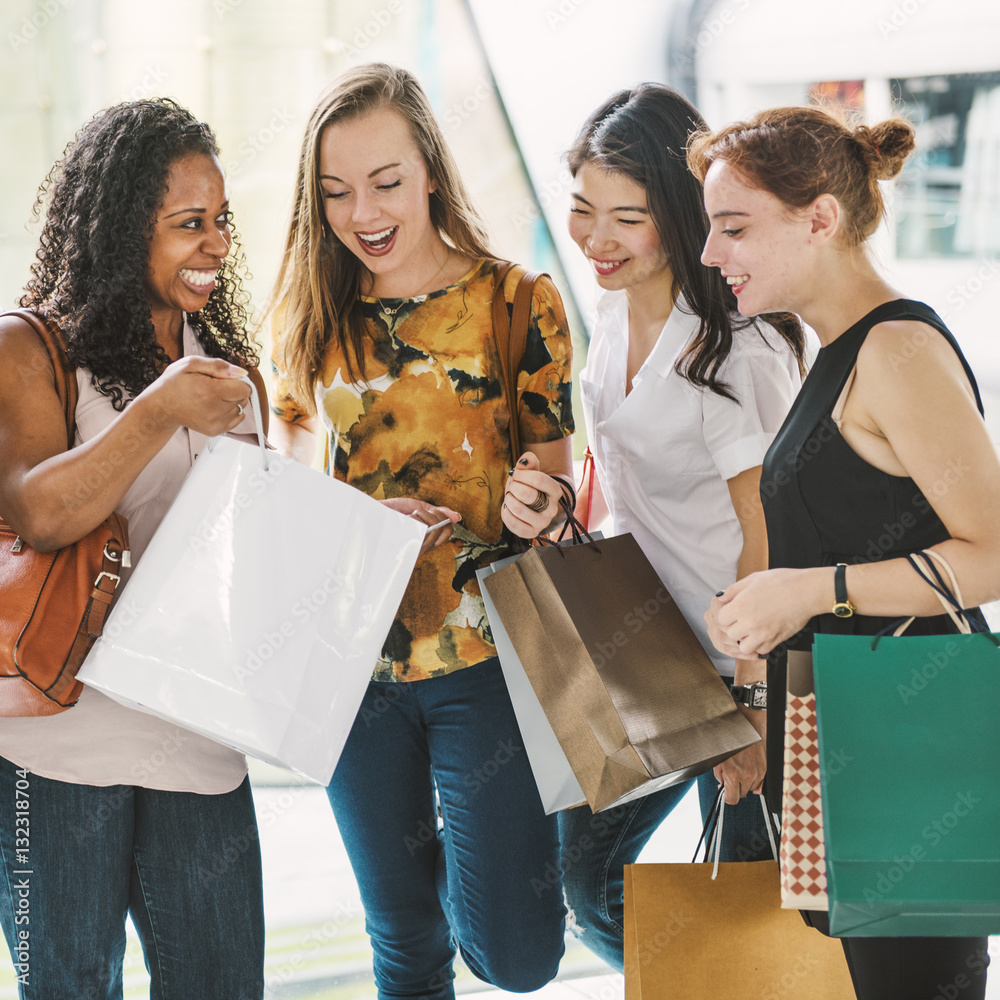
<point>239,409</point>
<point>539,503</point>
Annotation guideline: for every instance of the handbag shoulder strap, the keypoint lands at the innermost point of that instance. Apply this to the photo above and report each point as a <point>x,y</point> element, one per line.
<point>510,334</point>
<point>65,375</point>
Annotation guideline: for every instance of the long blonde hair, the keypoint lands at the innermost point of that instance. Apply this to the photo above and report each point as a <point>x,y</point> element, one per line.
<point>319,283</point>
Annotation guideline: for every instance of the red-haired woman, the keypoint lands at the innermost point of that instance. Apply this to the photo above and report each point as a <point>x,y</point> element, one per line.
<point>793,196</point>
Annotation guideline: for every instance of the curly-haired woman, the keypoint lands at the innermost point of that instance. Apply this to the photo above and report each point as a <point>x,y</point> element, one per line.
<point>128,814</point>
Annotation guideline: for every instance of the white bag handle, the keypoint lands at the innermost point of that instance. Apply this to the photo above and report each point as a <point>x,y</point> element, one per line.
<point>258,420</point>
<point>718,833</point>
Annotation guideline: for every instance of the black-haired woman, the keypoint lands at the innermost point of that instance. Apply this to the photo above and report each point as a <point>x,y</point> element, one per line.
<point>126,814</point>
<point>681,398</point>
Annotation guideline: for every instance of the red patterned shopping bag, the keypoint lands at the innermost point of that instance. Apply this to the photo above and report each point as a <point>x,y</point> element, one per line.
<point>802,859</point>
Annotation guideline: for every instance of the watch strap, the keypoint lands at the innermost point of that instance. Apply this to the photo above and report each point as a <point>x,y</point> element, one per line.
<point>842,607</point>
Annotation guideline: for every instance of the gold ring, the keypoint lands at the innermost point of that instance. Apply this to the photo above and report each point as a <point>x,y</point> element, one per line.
<point>539,503</point>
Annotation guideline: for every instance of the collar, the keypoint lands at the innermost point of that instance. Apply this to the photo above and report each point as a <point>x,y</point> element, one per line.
<point>678,331</point>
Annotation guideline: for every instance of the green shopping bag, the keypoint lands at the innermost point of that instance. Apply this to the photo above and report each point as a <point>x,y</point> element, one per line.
<point>911,811</point>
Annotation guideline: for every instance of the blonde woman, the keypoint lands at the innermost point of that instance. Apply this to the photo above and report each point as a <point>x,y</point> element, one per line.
<point>384,343</point>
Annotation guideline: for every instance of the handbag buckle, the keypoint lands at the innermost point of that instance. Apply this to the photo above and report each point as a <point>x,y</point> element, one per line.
<point>114,577</point>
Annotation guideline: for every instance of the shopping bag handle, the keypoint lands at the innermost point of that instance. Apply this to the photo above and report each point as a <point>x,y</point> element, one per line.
<point>258,421</point>
<point>947,592</point>
<point>577,530</point>
<point>711,832</point>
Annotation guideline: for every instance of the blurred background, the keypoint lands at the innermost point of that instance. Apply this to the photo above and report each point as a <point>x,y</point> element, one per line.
<point>511,83</point>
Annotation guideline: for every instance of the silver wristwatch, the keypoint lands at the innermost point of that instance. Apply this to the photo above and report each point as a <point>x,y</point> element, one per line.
<point>751,695</point>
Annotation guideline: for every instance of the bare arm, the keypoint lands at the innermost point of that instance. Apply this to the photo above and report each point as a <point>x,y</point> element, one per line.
<point>744,772</point>
<point>53,496</point>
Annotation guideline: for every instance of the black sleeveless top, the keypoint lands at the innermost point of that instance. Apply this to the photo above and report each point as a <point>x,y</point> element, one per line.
<point>824,504</point>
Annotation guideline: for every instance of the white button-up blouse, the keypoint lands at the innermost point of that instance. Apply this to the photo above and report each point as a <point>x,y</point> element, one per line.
<point>665,451</point>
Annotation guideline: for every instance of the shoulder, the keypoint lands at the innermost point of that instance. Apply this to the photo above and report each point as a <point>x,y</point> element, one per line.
<point>757,337</point>
<point>902,350</point>
<point>25,357</point>
<point>757,345</point>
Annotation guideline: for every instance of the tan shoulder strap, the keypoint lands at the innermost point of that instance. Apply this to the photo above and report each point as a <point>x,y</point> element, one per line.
<point>510,333</point>
<point>65,376</point>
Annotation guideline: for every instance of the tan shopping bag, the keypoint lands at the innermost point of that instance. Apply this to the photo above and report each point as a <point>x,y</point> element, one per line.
<point>624,682</point>
<point>688,937</point>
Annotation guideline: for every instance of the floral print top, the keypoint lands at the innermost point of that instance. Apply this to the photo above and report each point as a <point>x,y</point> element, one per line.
<point>430,421</point>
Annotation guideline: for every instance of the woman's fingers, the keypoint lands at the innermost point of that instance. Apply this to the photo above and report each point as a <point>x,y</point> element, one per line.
<point>439,521</point>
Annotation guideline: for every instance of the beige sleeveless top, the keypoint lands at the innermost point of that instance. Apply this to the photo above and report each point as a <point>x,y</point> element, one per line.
<point>98,741</point>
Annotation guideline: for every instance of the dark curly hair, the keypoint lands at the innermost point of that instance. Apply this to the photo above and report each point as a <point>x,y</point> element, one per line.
<point>90,269</point>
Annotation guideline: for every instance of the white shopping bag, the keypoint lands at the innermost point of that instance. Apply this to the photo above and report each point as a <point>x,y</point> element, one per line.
<point>557,785</point>
<point>259,609</point>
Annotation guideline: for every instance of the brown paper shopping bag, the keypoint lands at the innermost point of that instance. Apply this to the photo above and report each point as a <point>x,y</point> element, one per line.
<point>688,937</point>
<point>623,680</point>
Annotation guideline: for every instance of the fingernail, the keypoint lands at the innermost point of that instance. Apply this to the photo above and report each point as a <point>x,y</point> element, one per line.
<point>523,461</point>
<point>720,593</point>
<point>510,472</point>
<point>762,656</point>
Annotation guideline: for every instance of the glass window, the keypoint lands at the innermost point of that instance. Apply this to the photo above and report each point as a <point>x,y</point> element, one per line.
<point>948,195</point>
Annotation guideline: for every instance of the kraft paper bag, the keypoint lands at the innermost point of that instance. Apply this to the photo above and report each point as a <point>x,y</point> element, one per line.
<point>912,816</point>
<point>688,937</point>
<point>624,682</point>
<point>259,609</point>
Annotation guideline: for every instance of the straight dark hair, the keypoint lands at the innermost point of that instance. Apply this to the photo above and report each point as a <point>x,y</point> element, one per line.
<point>642,133</point>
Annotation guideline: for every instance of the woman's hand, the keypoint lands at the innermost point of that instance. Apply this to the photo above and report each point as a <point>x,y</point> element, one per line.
<point>531,498</point>
<point>204,394</point>
<point>763,609</point>
<point>744,772</point>
<point>427,514</point>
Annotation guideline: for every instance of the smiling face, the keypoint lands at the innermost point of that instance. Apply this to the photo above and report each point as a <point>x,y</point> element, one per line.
<point>191,237</point>
<point>761,246</point>
<point>610,222</point>
<point>376,191</point>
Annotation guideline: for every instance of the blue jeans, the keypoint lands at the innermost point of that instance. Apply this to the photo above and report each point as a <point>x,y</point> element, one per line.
<point>597,846</point>
<point>76,858</point>
<point>487,877</point>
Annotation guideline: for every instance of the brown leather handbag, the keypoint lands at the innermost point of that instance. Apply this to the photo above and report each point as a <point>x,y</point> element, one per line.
<point>53,604</point>
<point>510,335</point>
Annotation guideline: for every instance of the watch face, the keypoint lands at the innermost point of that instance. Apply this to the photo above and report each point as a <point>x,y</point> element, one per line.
<point>751,695</point>
<point>843,610</point>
